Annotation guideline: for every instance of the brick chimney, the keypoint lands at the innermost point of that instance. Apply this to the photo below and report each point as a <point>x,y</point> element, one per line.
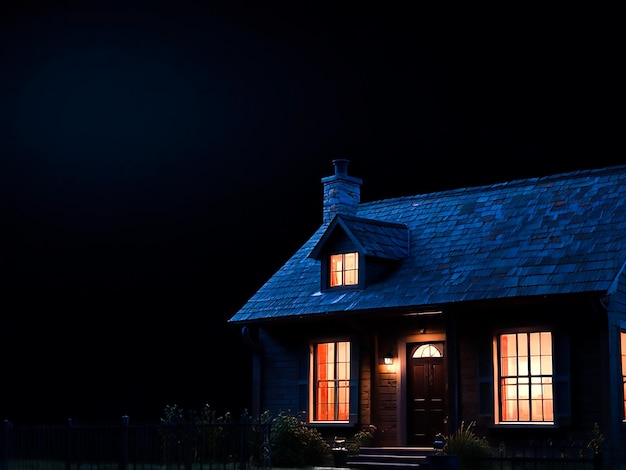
<point>342,193</point>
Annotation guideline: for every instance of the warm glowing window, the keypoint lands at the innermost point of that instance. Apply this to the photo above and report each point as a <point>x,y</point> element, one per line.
<point>427,350</point>
<point>344,269</point>
<point>331,381</point>
<point>623,353</point>
<point>525,378</point>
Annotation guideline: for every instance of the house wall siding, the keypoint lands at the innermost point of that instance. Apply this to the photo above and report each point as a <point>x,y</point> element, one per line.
<point>585,345</point>
<point>280,384</point>
<point>365,386</point>
<point>468,381</point>
<point>387,411</point>
<point>616,306</point>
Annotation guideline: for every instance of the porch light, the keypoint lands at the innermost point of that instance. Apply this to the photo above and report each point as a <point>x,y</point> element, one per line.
<point>388,359</point>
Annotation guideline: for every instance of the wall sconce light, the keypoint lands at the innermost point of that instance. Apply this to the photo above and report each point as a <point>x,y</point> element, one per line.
<point>388,359</point>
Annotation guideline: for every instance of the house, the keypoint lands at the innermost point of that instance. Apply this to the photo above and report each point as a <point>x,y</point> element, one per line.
<point>502,305</point>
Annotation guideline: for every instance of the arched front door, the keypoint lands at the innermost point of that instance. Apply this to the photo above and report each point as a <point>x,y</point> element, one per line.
<point>426,401</point>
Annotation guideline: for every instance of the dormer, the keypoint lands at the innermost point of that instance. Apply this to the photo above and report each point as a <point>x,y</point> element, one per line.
<point>354,252</point>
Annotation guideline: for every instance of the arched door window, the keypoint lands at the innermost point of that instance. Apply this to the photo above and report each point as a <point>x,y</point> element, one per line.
<point>427,350</point>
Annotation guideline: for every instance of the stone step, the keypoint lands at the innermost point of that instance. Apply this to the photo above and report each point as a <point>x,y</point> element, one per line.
<point>397,458</point>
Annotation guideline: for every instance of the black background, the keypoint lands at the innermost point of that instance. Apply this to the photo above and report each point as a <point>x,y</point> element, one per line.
<point>160,160</point>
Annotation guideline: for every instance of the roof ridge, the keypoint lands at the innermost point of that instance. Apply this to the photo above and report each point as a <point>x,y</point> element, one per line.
<point>355,218</point>
<point>570,175</point>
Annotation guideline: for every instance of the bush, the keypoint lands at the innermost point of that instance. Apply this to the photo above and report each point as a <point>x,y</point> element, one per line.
<point>293,444</point>
<point>596,439</point>
<point>466,444</point>
<point>363,437</point>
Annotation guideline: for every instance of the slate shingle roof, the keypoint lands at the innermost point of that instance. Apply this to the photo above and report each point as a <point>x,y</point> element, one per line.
<point>372,237</point>
<point>557,234</point>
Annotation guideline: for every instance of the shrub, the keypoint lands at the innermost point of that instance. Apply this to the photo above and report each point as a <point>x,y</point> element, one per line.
<point>363,437</point>
<point>596,439</point>
<point>293,444</point>
<point>466,444</point>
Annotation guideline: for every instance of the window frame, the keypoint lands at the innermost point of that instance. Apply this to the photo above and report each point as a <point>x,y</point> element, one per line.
<point>352,386</point>
<point>498,376</point>
<point>622,356</point>
<point>357,270</point>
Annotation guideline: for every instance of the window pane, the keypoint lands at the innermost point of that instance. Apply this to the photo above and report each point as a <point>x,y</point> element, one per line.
<point>624,392</point>
<point>522,354</point>
<point>351,278</point>
<point>344,351</point>
<point>509,346</point>
<point>336,270</point>
<point>523,391</point>
<point>322,404</point>
<point>546,344</point>
<point>524,410</point>
<point>548,407</point>
<point>510,365</point>
<point>509,400</point>
<point>351,261</point>
<point>351,270</point>
<point>427,350</point>
<point>343,400</point>
<point>509,355</point>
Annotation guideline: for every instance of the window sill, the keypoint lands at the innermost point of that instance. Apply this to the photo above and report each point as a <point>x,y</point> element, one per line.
<point>524,425</point>
<point>325,424</point>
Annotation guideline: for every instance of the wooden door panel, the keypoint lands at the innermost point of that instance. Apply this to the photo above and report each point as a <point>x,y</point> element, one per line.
<point>426,399</point>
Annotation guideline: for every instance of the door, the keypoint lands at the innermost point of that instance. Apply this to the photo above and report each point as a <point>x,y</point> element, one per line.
<point>426,388</point>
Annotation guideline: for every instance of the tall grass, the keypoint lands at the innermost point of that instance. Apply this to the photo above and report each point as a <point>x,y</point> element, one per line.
<point>466,444</point>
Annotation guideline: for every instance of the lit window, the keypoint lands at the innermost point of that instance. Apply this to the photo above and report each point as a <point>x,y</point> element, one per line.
<point>331,381</point>
<point>525,378</point>
<point>427,350</point>
<point>623,353</point>
<point>344,269</point>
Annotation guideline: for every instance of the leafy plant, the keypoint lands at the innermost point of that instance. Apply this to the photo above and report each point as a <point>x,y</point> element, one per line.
<point>466,444</point>
<point>596,439</point>
<point>363,437</point>
<point>293,443</point>
<point>185,435</point>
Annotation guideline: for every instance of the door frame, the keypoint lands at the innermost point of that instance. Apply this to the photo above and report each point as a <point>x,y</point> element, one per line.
<point>434,407</point>
<point>402,391</point>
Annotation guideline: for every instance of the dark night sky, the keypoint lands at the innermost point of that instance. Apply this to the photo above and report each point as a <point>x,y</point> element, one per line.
<point>160,160</point>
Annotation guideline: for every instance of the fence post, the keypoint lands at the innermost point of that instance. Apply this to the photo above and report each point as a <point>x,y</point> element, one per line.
<point>242,446</point>
<point>6,439</point>
<point>124,444</point>
<point>68,445</point>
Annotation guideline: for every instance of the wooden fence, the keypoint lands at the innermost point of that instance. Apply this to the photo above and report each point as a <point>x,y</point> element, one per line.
<point>71,446</point>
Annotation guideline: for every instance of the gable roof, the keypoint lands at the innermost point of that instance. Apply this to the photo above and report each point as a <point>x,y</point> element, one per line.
<point>372,237</point>
<point>559,234</point>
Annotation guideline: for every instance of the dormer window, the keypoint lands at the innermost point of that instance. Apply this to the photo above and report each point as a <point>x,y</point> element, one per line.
<point>354,253</point>
<point>344,269</point>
